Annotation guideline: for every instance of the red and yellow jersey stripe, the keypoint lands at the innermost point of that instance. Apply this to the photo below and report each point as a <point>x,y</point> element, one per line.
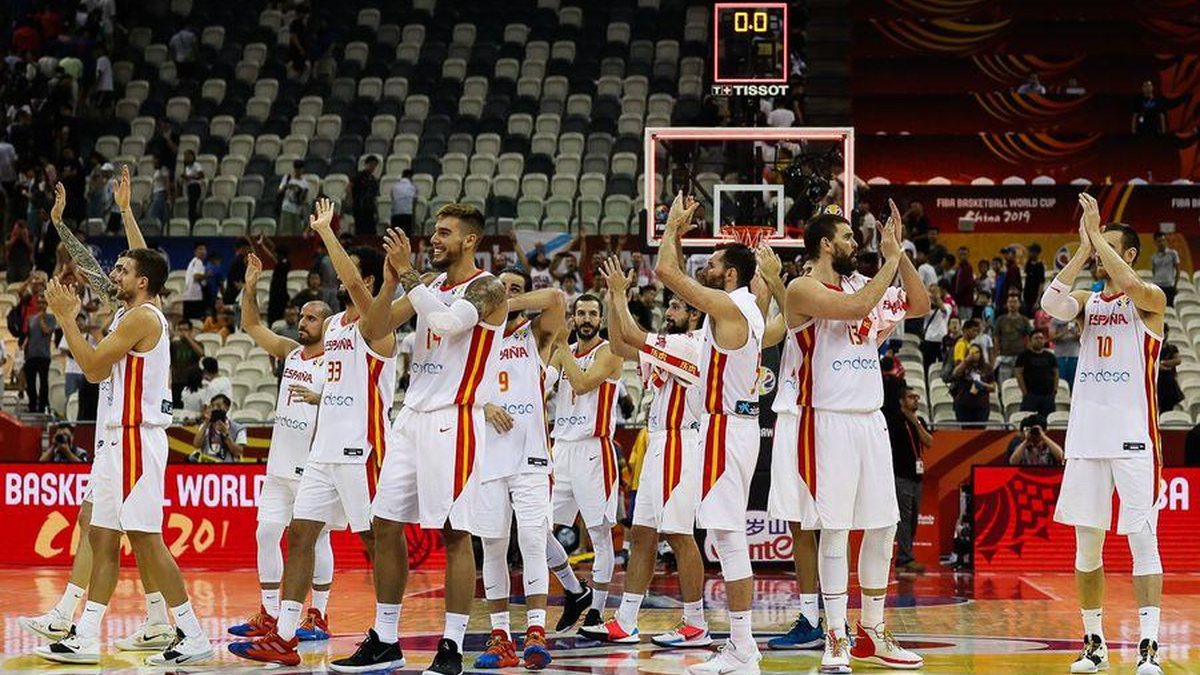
<point>464,449</point>
<point>714,452</point>
<point>714,401</point>
<point>807,448</point>
<point>376,423</point>
<point>608,462</point>
<point>481,346</point>
<point>131,420</point>
<point>806,339</point>
<point>1151,348</point>
<point>604,409</point>
<point>673,452</point>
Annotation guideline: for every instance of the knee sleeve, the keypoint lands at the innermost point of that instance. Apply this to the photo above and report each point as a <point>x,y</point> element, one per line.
<point>875,557</point>
<point>556,555</point>
<point>323,560</point>
<point>535,572</point>
<point>602,546</point>
<point>1144,547</point>
<point>733,551</point>
<point>270,556</point>
<point>495,568</point>
<point>1089,549</point>
<point>833,562</point>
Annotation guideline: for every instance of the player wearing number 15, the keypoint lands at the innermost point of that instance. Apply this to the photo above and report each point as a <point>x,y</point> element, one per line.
<point>1112,435</point>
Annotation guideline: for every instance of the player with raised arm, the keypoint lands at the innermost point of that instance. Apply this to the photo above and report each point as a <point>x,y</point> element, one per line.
<point>729,359</point>
<point>854,482</point>
<point>342,468</point>
<point>515,471</point>
<point>585,461</point>
<point>1112,434</point>
<point>155,632</point>
<point>440,433</point>
<point>669,484</point>
<point>303,377</point>
<point>128,479</point>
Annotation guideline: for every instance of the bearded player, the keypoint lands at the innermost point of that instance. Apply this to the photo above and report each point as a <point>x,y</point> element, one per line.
<point>1112,435</point>
<point>303,377</point>
<point>669,484</point>
<point>515,471</point>
<point>854,482</point>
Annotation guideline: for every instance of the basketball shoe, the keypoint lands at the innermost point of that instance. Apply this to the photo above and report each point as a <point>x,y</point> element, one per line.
<point>803,635</point>
<point>183,650</point>
<point>1094,656</point>
<point>1148,658</point>
<point>500,652</point>
<point>537,653</point>
<point>51,625</point>
<point>149,637</point>
<point>877,645</point>
<point>372,654</point>
<point>71,649</point>
<point>447,661</point>
<point>684,635</point>
<point>270,648</point>
<point>314,627</point>
<point>611,632</point>
<point>836,658</point>
<point>729,660</point>
<point>574,605</point>
<point>256,626</point>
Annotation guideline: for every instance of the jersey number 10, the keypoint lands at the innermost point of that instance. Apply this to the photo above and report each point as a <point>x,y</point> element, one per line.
<point>1104,344</point>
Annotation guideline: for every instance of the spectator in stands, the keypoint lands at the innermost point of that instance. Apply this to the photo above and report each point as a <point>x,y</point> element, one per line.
<point>917,226</point>
<point>963,285</point>
<point>104,80</point>
<point>950,342</point>
<point>218,439</point>
<point>186,354</point>
<point>277,296</point>
<point>1035,276</point>
<point>192,396</point>
<point>985,279</point>
<point>565,267</point>
<point>160,208</point>
<point>194,281</point>
<point>1169,392</point>
<point>8,165</point>
<point>640,307</point>
<point>972,385</point>
<point>936,325</point>
<point>19,253</point>
<point>311,292</point>
<point>782,115</point>
<point>985,310</point>
<point>183,51</point>
<point>971,331</point>
<point>1012,274</point>
<point>364,195</point>
<point>869,227</point>
<point>909,436</point>
<point>193,178</point>
<point>61,446</point>
<point>1165,264</point>
<point>44,256</point>
<point>214,279</point>
<point>1065,336</point>
<point>289,325</point>
<point>299,45</point>
<point>112,212</point>
<point>1148,116</point>
<point>39,331</point>
<point>292,195</point>
<point>1031,446</point>
<point>236,281</point>
<point>1032,86</point>
<point>404,198</point>
<point>164,146</point>
<point>1011,329</point>
<point>74,177</point>
<point>214,382</point>
<point>72,374</point>
<point>926,268</point>
<point>1037,376</point>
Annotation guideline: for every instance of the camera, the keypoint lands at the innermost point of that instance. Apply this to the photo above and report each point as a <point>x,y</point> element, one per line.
<point>216,416</point>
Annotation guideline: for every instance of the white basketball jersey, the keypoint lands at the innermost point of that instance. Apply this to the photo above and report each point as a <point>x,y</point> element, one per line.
<point>590,415</point>
<point>295,420</point>
<point>730,377</point>
<point>845,356</point>
<point>451,370</point>
<point>521,392</point>
<point>795,370</point>
<point>105,399</point>
<point>359,388</point>
<point>141,383</point>
<point>668,365</point>
<point>1114,404</point>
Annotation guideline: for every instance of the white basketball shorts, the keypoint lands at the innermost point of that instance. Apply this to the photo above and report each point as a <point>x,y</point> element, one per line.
<point>669,483</point>
<point>856,487</point>
<point>1085,499</point>
<point>729,446</point>
<point>585,482</point>
<point>336,494</point>
<point>128,479</point>
<point>527,494</point>
<point>794,470</point>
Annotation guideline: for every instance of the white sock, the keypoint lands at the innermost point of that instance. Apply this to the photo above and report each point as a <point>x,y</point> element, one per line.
<point>289,618</point>
<point>835,613</point>
<point>536,617</point>
<point>89,621</point>
<point>387,622</point>
<point>456,628</point>
<point>1148,618</point>
<point>502,621</point>
<point>186,620</point>
<point>739,629</point>
<point>627,613</point>
<point>872,610</point>
<point>566,577</point>
<point>1092,622</point>
<point>156,609</point>
<point>320,600</point>
<point>70,601</point>
<point>599,599</point>
<point>810,608</point>
<point>693,614</point>
<point>270,601</point>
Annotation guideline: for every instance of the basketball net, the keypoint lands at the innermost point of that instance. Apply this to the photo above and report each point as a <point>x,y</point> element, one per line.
<point>749,235</point>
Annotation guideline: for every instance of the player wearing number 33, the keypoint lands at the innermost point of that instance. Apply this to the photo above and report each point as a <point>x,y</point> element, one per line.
<point>1112,434</point>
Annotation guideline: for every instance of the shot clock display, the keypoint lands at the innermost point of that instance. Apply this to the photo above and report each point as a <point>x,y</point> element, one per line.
<point>750,43</point>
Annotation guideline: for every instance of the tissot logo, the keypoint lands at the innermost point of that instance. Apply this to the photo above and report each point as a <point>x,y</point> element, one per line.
<point>1114,376</point>
<point>749,89</point>
<point>854,364</point>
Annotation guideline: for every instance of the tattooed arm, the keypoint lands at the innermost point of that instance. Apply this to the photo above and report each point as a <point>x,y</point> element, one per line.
<point>88,265</point>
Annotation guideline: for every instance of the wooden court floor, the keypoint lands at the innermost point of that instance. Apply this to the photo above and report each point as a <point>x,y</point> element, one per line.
<point>960,623</point>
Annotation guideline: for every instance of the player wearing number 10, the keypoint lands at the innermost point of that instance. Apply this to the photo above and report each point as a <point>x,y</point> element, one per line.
<point>1112,436</point>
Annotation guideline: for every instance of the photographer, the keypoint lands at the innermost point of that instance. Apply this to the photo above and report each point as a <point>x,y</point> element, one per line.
<point>1032,447</point>
<point>62,446</point>
<point>910,437</point>
<point>219,439</point>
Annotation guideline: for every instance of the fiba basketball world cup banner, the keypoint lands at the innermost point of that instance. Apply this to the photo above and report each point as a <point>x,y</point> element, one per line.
<point>209,517</point>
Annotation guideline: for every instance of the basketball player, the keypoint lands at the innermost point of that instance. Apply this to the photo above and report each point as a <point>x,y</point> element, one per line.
<point>670,476</point>
<point>128,479</point>
<point>729,360</point>
<point>295,421</point>
<point>156,632</point>
<point>854,482</point>
<point>1112,434</point>
<point>792,459</point>
<point>585,461</point>
<point>440,432</point>
<point>515,471</point>
<point>343,463</point>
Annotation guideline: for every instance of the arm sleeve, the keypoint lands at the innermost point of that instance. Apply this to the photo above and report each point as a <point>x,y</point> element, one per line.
<point>1058,302</point>
<point>677,354</point>
<point>452,320</point>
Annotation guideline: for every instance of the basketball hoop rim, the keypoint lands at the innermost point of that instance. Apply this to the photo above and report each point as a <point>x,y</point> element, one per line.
<point>750,235</point>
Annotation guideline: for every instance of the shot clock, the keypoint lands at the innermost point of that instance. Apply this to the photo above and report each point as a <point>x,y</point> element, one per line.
<point>750,43</point>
